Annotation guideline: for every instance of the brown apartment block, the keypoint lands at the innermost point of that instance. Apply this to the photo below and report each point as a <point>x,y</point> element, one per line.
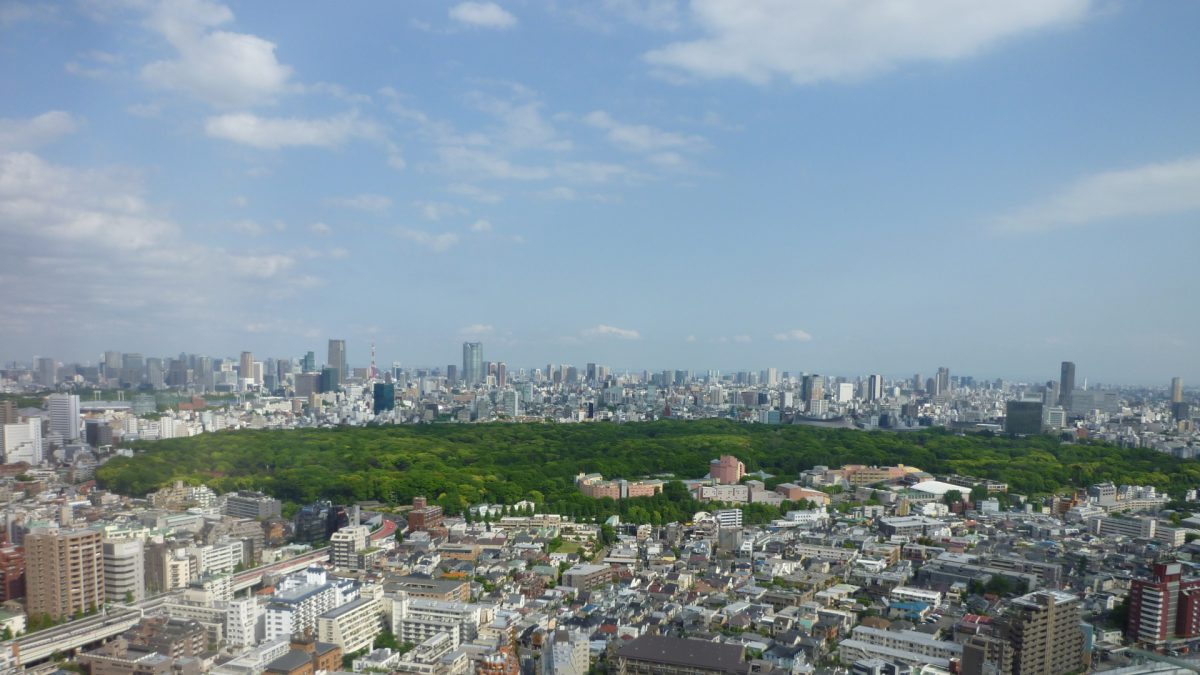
<point>64,572</point>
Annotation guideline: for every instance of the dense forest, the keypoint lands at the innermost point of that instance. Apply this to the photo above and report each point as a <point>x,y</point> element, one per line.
<point>459,465</point>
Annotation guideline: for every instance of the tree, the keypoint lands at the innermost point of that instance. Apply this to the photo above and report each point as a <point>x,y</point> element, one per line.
<point>952,497</point>
<point>386,640</point>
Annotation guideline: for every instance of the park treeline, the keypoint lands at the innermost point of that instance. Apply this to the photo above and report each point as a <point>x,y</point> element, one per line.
<point>459,465</point>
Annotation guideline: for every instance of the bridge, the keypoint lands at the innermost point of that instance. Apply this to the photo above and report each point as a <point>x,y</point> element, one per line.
<point>71,636</point>
<point>253,577</point>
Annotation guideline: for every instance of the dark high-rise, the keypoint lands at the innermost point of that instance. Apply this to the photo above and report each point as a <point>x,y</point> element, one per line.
<point>1066,385</point>
<point>385,397</point>
<point>337,359</point>
<point>1023,417</point>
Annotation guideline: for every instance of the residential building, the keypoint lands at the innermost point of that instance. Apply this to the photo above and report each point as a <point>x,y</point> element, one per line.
<point>1046,634</point>
<point>64,572</point>
<point>1164,607</point>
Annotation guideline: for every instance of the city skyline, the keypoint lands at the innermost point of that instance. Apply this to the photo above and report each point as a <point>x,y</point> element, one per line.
<point>721,194</point>
<point>44,367</point>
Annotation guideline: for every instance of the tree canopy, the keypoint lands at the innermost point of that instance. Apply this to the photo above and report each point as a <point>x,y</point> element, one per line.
<point>458,465</point>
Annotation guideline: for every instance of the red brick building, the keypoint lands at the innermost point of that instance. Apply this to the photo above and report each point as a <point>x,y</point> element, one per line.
<point>1165,607</point>
<point>423,516</point>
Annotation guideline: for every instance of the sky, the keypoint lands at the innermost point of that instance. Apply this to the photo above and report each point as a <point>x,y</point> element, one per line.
<point>832,186</point>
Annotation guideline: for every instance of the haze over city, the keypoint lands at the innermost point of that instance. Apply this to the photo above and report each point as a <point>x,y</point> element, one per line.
<point>689,185</point>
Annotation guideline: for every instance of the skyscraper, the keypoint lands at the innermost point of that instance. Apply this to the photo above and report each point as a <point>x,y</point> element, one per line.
<point>941,384</point>
<point>501,374</point>
<point>64,416</point>
<point>1066,384</point>
<point>384,397</point>
<point>337,359</point>
<point>812,387</point>
<point>874,387</point>
<point>47,372</point>
<point>246,366</point>
<point>1176,390</point>
<point>64,572</point>
<point>472,363</point>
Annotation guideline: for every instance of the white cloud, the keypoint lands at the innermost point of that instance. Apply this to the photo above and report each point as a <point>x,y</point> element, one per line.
<point>320,229</point>
<point>742,339</point>
<point>483,15</point>
<point>560,192</point>
<point>794,335</point>
<point>522,123</point>
<point>652,14</point>
<point>247,227</point>
<point>641,137</point>
<point>474,192</point>
<point>144,110</point>
<point>25,134</point>
<point>338,253</point>
<point>279,132</point>
<point>481,225</point>
<point>221,68</point>
<point>476,329</point>
<point>267,266</point>
<point>839,40</point>
<point>363,202</point>
<point>1144,191</point>
<point>472,161</point>
<point>603,330</point>
<point>690,338</point>
<point>435,242</point>
<point>438,210</point>
<point>141,267</point>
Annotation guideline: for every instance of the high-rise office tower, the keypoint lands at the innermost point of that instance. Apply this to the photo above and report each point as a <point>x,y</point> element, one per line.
<point>203,373</point>
<point>917,383</point>
<point>941,385</point>
<point>1046,634</point>
<point>452,374</point>
<point>112,365</point>
<point>47,372</point>
<point>472,363</point>
<point>1176,390</point>
<point>812,387</point>
<point>132,369</point>
<point>591,373</point>
<point>337,359</point>
<point>501,374</point>
<point>246,366</point>
<point>384,397</point>
<point>1066,384</point>
<point>309,363</point>
<point>64,572</point>
<point>64,415</point>
<point>874,387</point>
<point>154,372</point>
<point>771,375</point>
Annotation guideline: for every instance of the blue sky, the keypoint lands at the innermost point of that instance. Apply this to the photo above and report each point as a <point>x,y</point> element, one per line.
<point>838,187</point>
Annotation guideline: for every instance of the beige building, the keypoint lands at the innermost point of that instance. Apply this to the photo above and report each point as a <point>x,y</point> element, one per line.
<point>64,571</point>
<point>1046,635</point>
